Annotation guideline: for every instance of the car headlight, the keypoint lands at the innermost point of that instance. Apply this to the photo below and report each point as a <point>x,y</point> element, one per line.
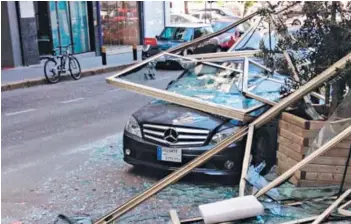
<point>133,127</point>
<point>220,136</point>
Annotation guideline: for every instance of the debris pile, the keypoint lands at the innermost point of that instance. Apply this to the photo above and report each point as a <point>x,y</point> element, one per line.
<point>240,89</point>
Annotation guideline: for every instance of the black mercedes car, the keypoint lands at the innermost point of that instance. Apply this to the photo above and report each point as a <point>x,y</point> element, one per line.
<point>166,136</point>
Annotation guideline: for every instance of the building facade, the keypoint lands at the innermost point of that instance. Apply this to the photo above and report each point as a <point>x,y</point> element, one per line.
<point>128,22</point>
<point>31,29</point>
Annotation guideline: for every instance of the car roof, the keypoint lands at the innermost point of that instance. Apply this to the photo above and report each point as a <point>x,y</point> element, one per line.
<point>189,25</point>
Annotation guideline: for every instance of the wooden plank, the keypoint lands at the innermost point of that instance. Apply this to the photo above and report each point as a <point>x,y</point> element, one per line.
<point>344,144</point>
<point>326,160</point>
<point>290,153</point>
<point>327,177</point>
<point>333,206</point>
<point>317,168</point>
<point>299,221</point>
<point>294,138</point>
<point>316,125</point>
<point>174,216</point>
<point>313,183</point>
<point>284,162</point>
<point>337,152</point>
<point>343,209</point>
<point>298,130</point>
<point>182,100</point>
<point>221,55</point>
<point>282,167</point>
<point>291,145</point>
<point>298,121</point>
<point>246,160</point>
<point>295,180</point>
<point>259,98</point>
<point>308,159</point>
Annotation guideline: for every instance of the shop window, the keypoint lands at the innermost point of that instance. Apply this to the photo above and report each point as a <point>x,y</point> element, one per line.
<point>69,24</point>
<point>120,22</point>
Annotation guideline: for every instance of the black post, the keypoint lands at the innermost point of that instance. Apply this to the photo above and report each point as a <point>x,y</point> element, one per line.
<point>135,52</point>
<point>345,172</point>
<point>103,55</point>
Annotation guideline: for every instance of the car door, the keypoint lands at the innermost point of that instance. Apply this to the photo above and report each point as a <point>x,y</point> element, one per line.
<point>204,47</point>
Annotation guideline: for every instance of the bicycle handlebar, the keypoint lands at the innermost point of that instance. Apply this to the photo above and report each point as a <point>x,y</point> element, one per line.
<point>60,47</point>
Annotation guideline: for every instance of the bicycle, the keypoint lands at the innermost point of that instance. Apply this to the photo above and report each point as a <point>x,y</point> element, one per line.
<point>56,65</point>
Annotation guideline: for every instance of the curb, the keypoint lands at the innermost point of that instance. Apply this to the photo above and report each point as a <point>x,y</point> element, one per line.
<point>42,81</point>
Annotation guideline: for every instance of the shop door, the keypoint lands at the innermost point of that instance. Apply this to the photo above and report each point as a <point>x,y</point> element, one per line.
<point>69,23</point>
<point>61,32</point>
<point>80,30</point>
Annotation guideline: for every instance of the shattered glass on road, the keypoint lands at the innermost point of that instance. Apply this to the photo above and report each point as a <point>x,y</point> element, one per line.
<point>104,181</point>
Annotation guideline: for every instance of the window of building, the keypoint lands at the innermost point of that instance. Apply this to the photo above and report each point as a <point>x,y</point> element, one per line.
<point>120,22</point>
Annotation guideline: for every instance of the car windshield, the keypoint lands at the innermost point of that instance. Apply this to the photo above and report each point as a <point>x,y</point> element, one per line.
<point>222,86</point>
<point>177,34</point>
<point>252,41</point>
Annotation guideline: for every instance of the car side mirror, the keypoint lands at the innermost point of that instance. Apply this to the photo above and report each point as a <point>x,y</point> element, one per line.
<point>156,36</point>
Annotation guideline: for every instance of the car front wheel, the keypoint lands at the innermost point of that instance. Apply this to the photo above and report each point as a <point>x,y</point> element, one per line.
<point>264,148</point>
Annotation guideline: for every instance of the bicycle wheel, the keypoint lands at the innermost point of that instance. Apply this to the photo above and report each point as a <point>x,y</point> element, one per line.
<point>51,71</point>
<point>74,67</point>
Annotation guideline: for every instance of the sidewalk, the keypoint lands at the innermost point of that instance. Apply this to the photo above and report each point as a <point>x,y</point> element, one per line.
<point>88,61</point>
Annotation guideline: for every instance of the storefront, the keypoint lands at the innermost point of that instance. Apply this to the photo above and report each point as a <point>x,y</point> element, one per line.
<point>120,22</point>
<point>63,23</point>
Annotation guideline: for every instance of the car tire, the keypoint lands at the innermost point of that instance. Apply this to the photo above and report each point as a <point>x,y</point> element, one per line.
<point>264,147</point>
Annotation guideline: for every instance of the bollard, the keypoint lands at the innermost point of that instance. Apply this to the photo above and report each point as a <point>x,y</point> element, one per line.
<point>103,55</point>
<point>135,52</point>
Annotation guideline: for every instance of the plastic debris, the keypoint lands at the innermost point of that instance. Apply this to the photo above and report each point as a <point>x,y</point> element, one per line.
<point>255,179</point>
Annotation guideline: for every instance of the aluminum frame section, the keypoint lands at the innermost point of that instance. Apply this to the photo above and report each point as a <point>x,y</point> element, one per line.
<point>240,134</point>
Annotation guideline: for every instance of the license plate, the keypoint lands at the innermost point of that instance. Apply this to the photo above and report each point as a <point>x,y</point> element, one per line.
<point>169,154</point>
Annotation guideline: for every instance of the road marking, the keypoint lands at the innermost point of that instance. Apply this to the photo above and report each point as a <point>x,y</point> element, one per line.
<point>19,112</point>
<point>71,101</point>
<point>114,90</point>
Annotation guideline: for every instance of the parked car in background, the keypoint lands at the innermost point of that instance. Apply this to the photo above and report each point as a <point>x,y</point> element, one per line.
<point>227,39</point>
<point>173,35</point>
<point>218,12</point>
<point>206,17</point>
<point>183,18</point>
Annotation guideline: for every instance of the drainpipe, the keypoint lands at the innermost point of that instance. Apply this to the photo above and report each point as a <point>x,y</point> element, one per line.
<point>98,15</point>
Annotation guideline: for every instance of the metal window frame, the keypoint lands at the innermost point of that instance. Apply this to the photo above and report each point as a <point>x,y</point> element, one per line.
<point>209,107</point>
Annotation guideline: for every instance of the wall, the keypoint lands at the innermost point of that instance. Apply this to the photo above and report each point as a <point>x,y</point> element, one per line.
<point>154,18</point>
<point>10,40</point>
<point>28,33</point>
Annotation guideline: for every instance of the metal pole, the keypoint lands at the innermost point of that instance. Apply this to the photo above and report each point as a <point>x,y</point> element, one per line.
<point>58,25</point>
<point>345,172</point>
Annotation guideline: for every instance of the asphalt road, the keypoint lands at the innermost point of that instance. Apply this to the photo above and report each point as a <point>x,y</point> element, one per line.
<point>62,153</point>
<point>45,129</point>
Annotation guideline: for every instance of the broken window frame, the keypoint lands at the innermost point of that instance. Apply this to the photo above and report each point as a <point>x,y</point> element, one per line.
<point>209,107</point>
